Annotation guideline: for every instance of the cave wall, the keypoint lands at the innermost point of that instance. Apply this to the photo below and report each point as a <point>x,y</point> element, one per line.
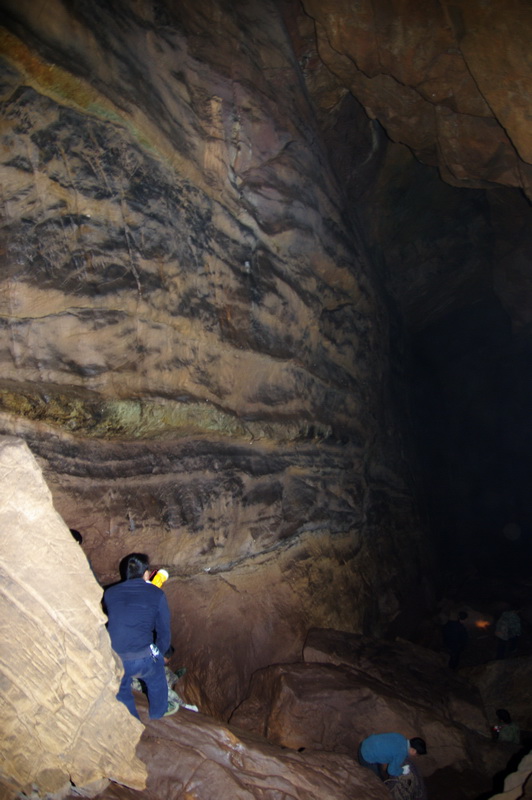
<point>193,346</point>
<point>424,111</point>
<point>457,263</point>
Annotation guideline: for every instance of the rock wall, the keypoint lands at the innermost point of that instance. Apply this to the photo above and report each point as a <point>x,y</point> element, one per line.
<point>452,80</point>
<point>454,254</point>
<point>193,346</point>
<point>60,721</point>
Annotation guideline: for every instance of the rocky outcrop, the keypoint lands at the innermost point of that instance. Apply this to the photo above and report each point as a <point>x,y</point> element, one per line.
<point>505,684</point>
<point>518,785</point>
<point>422,672</point>
<point>61,723</point>
<point>450,80</point>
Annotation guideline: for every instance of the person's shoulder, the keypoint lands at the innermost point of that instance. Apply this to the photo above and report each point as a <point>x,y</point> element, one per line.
<point>155,593</point>
<point>113,588</point>
<point>146,587</point>
<point>130,586</point>
<point>151,587</point>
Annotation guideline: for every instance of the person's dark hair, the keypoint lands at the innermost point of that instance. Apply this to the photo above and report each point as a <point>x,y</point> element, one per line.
<point>77,535</point>
<point>418,745</point>
<point>504,716</point>
<point>170,652</point>
<point>463,615</point>
<point>134,565</point>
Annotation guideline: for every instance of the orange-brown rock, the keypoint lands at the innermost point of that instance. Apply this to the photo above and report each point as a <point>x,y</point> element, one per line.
<point>189,755</point>
<point>451,80</point>
<point>350,688</point>
<point>226,624</point>
<point>193,345</point>
<point>422,672</point>
<point>59,717</point>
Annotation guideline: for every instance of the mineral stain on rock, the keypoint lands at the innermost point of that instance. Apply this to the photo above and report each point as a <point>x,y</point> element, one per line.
<point>193,343</point>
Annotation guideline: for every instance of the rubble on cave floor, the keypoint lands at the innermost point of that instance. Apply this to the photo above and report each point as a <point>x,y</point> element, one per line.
<point>190,755</point>
<point>298,730</point>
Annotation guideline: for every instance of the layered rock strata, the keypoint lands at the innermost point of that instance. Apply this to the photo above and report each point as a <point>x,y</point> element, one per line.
<point>192,345</point>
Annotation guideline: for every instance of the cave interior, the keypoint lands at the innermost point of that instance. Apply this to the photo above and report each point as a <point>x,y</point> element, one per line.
<point>266,303</point>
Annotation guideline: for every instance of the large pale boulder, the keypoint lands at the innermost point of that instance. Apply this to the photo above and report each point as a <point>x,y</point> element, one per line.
<point>59,717</point>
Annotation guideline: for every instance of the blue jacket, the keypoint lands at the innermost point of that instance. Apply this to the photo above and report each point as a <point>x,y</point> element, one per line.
<point>386,748</point>
<point>138,616</point>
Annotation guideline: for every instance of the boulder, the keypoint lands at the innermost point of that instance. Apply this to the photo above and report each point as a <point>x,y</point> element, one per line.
<point>59,717</point>
<point>505,684</point>
<point>402,667</point>
<point>372,688</point>
<point>190,755</point>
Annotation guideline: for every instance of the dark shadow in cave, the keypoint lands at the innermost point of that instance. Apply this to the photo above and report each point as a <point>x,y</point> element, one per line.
<point>472,392</point>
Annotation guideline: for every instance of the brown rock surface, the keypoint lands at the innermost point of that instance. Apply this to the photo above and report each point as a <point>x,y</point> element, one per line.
<point>505,684</point>
<point>400,663</point>
<point>189,755</point>
<point>451,80</point>
<point>226,624</point>
<point>373,687</point>
<point>193,346</point>
<point>59,717</point>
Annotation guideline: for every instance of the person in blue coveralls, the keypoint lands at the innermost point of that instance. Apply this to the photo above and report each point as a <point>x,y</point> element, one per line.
<point>387,753</point>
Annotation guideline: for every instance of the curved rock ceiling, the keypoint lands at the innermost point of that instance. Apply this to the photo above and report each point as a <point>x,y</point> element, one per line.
<point>451,79</point>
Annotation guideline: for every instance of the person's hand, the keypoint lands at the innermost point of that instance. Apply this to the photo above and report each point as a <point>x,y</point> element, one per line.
<point>406,770</point>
